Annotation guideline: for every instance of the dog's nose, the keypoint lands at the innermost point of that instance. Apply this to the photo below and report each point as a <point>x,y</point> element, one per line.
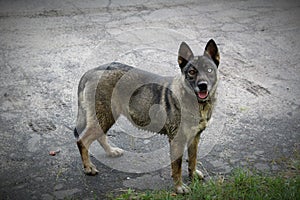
<point>202,86</point>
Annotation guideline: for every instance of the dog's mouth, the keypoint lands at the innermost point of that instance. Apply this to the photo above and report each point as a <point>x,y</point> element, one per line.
<point>202,94</point>
<point>202,88</point>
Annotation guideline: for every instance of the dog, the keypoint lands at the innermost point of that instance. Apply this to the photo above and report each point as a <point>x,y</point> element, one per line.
<point>179,107</point>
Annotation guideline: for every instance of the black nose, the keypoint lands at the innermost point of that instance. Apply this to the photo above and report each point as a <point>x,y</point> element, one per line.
<point>202,86</point>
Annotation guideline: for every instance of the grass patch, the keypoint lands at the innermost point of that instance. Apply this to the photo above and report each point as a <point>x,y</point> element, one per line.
<point>241,184</point>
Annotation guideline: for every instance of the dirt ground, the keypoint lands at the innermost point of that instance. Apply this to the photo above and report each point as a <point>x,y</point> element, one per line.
<point>46,46</point>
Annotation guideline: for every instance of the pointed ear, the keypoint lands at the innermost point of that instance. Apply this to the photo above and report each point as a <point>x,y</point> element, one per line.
<point>212,51</point>
<point>185,54</point>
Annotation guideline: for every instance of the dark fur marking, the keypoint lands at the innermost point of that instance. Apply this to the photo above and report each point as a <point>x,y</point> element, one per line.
<point>167,101</point>
<point>176,171</point>
<point>80,147</point>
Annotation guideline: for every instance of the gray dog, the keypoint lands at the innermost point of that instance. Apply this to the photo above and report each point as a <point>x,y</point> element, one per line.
<point>179,107</point>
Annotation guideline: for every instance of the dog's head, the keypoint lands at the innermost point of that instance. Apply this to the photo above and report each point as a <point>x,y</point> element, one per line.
<point>200,72</point>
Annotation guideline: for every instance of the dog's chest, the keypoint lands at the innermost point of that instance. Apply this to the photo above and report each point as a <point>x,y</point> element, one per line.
<point>205,114</point>
<point>205,110</point>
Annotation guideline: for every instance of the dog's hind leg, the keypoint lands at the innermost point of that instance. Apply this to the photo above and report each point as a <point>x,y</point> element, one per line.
<point>106,123</point>
<point>88,136</point>
<point>110,151</point>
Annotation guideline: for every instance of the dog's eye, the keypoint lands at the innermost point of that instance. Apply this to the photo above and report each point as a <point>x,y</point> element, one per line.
<point>209,70</point>
<point>192,72</point>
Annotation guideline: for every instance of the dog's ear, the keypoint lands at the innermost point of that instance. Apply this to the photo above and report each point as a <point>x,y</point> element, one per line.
<point>185,54</point>
<point>212,51</point>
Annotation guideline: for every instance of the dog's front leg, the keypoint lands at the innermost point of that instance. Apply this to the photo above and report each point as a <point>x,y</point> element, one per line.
<point>192,153</point>
<point>176,152</point>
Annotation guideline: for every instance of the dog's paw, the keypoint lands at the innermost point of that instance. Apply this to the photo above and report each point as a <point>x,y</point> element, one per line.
<point>115,152</point>
<point>182,189</point>
<point>90,169</point>
<point>198,174</point>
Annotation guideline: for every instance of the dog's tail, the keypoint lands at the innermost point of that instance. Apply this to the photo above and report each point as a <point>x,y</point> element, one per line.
<point>76,134</point>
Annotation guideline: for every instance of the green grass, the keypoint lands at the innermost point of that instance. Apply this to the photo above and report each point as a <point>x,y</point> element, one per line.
<point>241,184</point>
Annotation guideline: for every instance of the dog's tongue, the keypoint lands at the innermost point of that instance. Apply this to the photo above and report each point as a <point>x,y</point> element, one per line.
<point>202,94</point>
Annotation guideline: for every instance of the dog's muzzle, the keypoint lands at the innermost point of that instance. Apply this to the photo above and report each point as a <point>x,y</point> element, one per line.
<point>203,91</point>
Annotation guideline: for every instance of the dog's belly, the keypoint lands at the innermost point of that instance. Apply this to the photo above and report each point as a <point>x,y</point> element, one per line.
<point>146,109</point>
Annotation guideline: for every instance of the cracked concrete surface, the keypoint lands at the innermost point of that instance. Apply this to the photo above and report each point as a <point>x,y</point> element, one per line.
<point>46,46</point>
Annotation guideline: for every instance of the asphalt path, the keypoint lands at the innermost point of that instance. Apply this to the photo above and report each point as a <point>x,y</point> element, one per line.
<point>46,46</point>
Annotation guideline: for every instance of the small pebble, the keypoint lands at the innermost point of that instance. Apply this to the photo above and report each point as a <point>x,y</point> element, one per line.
<point>53,153</point>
